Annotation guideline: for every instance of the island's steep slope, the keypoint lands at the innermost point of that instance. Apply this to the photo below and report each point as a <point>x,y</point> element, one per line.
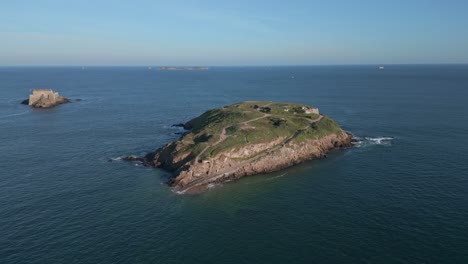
<point>245,139</point>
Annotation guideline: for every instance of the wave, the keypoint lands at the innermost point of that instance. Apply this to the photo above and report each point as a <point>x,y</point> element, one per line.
<point>15,114</point>
<point>379,140</point>
<point>276,177</point>
<point>174,127</point>
<point>117,158</point>
<point>209,186</point>
<point>368,141</point>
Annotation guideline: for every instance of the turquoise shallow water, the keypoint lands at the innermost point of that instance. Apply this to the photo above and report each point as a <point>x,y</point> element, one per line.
<point>63,199</point>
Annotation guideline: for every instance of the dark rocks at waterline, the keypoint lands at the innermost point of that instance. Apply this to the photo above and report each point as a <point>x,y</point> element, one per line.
<point>133,158</point>
<point>26,102</point>
<point>185,126</point>
<point>145,161</point>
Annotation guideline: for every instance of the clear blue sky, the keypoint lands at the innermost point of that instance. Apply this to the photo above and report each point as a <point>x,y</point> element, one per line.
<point>270,32</point>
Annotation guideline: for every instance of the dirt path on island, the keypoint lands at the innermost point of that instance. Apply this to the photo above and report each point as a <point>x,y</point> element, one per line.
<point>223,135</point>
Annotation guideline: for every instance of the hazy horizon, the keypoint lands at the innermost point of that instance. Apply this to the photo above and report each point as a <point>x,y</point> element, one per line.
<point>244,33</point>
<point>233,66</point>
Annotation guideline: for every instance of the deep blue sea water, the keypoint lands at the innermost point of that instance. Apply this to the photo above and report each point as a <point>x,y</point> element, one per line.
<point>63,199</point>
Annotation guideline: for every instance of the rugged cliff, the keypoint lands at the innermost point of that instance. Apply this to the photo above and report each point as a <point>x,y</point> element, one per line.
<point>245,139</point>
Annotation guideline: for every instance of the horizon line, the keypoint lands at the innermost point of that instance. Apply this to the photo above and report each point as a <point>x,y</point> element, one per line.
<point>227,65</point>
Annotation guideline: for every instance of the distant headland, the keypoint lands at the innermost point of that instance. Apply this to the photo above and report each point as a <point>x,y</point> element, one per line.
<point>243,139</point>
<point>173,68</point>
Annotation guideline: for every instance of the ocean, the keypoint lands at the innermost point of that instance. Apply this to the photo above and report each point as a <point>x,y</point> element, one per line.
<point>400,196</point>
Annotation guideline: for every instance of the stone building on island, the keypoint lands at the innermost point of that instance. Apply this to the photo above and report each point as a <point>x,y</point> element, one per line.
<point>311,110</point>
<point>45,98</point>
<point>43,94</point>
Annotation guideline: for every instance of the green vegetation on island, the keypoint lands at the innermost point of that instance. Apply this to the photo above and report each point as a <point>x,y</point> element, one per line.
<point>253,122</point>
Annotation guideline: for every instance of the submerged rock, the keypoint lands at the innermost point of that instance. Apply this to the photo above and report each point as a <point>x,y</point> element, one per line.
<point>242,139</point>
<point>133,158</point>
<point>45,98</point>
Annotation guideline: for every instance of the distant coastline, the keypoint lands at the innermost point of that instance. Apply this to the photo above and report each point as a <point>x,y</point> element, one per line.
<point>173,68</point>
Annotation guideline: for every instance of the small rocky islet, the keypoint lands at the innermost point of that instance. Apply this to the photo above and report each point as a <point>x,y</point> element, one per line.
<point>45,98</point>
<point>242,139</point>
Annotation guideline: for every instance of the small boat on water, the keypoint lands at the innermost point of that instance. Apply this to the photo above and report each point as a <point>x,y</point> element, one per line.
<point>381,67</point>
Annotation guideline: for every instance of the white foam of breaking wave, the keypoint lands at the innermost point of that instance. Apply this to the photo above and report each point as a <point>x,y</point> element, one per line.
<point>369,141</point>
<point>379,140</point>
<point>214,185</point>
<point>276,177</point>
<point>117,158</point>
<point>209,186</point>
<point>174,127</point>
<point>178,192</point>
<point>357,141</point>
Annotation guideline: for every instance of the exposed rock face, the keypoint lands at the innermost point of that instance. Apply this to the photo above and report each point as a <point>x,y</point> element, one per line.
<point>45,98</point>
<point>244,139</point>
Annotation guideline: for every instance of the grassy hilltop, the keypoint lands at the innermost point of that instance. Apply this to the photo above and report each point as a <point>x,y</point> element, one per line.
<point>252,122</point>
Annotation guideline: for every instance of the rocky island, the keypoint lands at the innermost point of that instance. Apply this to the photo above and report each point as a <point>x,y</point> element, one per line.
<point>243,139</point>
<point>189,68</point>
<point>45,98</point>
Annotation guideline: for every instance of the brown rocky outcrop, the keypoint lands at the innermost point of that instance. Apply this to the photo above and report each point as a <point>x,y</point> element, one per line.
<point>192,176</point>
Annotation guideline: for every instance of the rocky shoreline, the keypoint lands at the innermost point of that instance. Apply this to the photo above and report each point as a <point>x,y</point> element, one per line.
<point>228,170</point>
